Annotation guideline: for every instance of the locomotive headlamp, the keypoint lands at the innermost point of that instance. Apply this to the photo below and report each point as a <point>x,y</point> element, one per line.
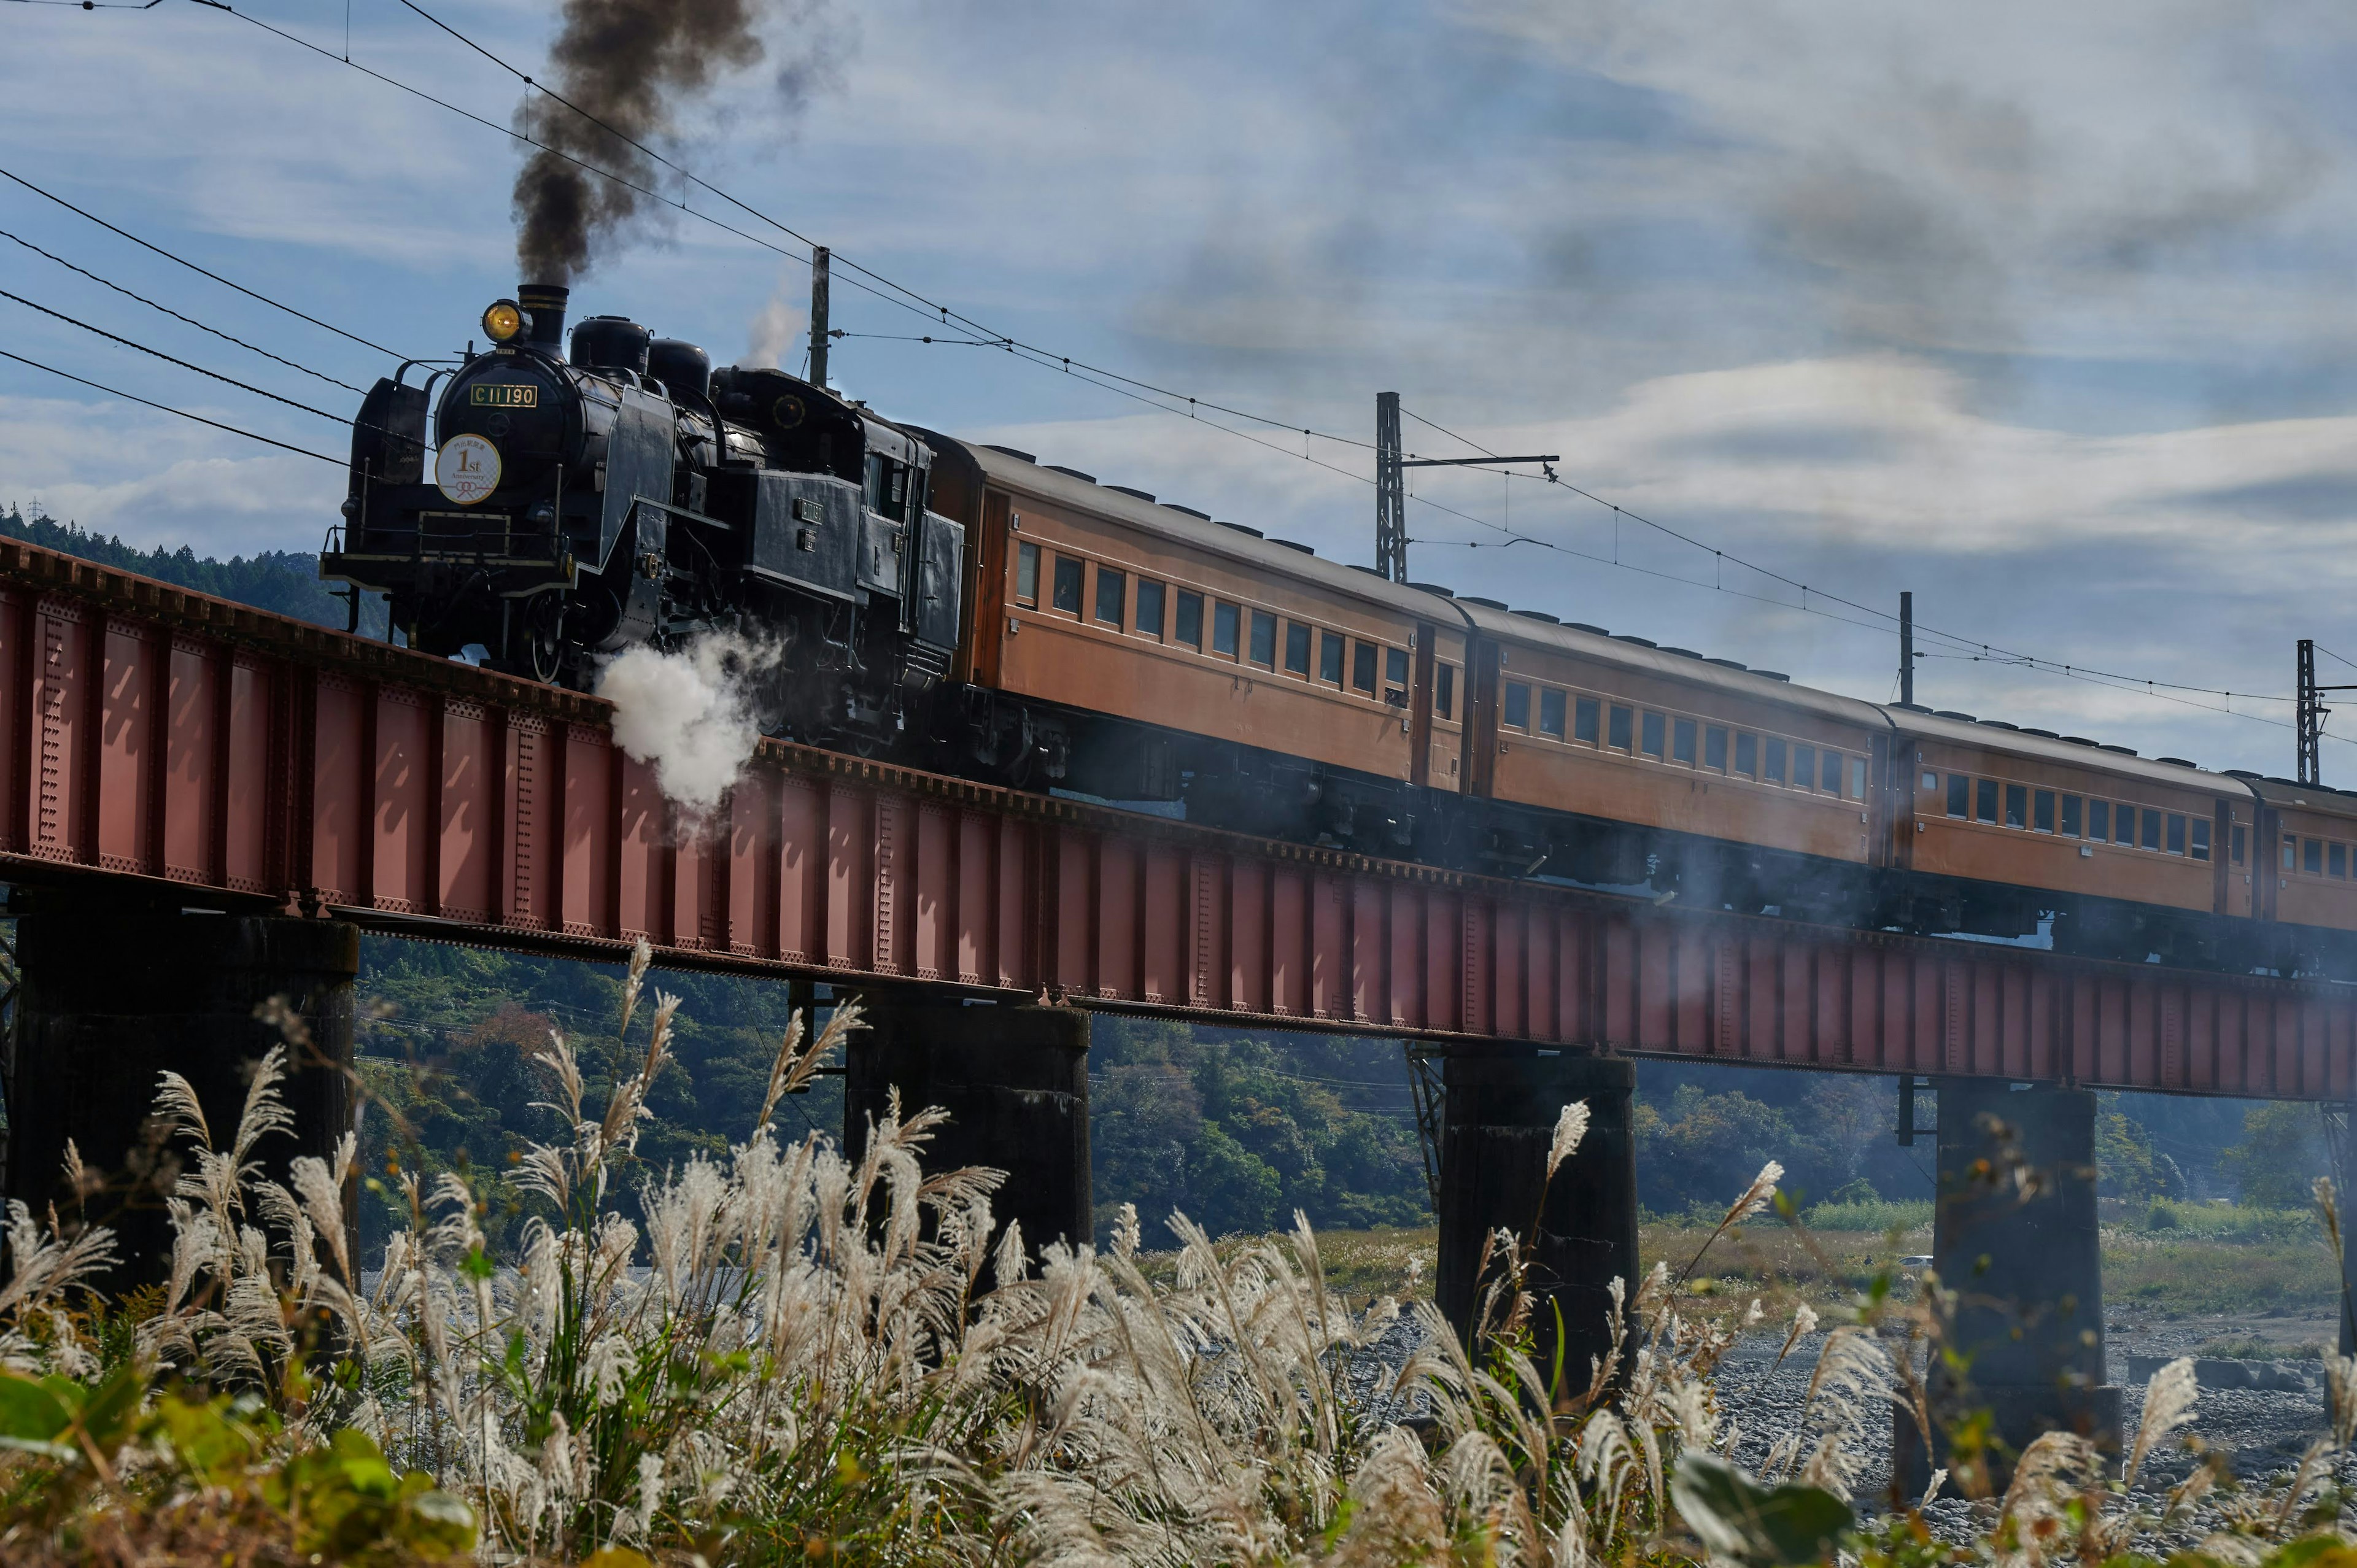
<point>505,321</point>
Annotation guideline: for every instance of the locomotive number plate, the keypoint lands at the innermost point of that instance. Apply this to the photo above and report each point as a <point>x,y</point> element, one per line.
<point>504,394</point>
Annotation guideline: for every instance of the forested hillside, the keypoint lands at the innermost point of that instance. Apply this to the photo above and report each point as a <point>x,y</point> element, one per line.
<point>281,580</point>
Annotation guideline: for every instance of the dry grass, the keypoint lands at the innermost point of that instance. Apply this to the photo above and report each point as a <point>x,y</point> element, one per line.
<point>2172,1275</point>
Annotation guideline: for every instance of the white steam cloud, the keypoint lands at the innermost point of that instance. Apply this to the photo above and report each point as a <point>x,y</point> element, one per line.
<point>692,713</point>
<point>780,327</point>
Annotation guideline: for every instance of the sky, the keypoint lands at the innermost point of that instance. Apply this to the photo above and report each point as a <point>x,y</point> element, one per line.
<point>2043,315</point>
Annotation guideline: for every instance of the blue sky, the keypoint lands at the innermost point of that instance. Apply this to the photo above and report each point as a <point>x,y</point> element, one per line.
<point>2046,316</point>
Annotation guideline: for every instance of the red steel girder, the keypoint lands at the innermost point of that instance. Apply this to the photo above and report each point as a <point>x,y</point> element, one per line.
<point>152,738</point>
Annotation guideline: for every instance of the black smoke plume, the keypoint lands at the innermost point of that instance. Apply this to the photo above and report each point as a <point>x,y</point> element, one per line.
<point>628,64</point>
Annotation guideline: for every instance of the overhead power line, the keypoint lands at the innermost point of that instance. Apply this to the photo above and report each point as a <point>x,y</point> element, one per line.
<point>172,360</point>
<point>225,337</point>
<point>183,260</point>
<point>166,408</point>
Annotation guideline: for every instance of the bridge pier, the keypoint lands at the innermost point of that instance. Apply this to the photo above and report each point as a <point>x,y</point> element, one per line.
<point>2014,1236</point>
<point>1015,1081</point>
<point>110,997</point>
<point>1498,1120</point>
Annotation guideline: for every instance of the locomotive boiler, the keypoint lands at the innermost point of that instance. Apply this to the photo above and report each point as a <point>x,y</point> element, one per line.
<point>624,493</point>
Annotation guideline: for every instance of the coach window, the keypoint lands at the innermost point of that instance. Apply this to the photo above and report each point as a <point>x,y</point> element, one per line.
<point>1150,606</point>
<point>1264,640</point>
<point>1551,703</point>
<point>2017,805</point>
<point>1113,591</point>
<point>1027,574</point>
<point>1189,630</point>
<point>1329,658</point>
<point>2099,821</point>
<point>2201,838</point>
<point>1586,715</point>
<point>2124,825</point>
<point>1713,750</point>
<point>2238,842</point>
<point>1681,741</point>
<point>1296,648</point>
<point>1363,668</point>
<point>1223,629</point>
<point>1518,705</point>
<point>1068,585</point>
<point>1985,802</point>
<point>1773,772</point>
<point>2336,859</point>
<point>2151,828</point>
<point>2071,815</point>
<point>2175,835</point>
<point>1651,734</point>
<point>2290,852</point>
<point>1832,775</point>
<point>1616,727</point>
<point>2311,856</point>
<point>2042,811</point>
<point>1857,778</point>
<point>1444,689</point>
<point>1747,755</point>
<point>1395,677</point>
<point>1804,767</point>
<point>1960,795</point>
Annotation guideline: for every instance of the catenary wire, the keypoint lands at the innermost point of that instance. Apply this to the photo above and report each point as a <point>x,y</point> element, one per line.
<point>176,316</point>
<point>166,408</point>
<point>173,360</point>
<point>882,286</point>
<point>250,293</point>
<point>1965,645</point>
<point>1106,378</point>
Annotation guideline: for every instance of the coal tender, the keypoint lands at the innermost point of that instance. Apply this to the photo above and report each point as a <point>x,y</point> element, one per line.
<point>628,494</point>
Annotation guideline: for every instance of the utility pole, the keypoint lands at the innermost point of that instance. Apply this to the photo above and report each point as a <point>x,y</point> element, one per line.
<point>1906,651</point>
<point>1391,484</point>
<point>1391,491</point>
<point>2313,715</point>
<point>818,317</point>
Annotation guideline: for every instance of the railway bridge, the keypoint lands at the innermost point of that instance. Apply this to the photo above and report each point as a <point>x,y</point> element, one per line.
<point>202,803</point>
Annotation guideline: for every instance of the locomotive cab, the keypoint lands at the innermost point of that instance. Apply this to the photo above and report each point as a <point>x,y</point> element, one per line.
<point>573,506</point>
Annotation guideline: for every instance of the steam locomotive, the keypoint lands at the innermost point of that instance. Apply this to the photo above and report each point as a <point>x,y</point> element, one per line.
<point>625,493</point>
<point>970,609</point>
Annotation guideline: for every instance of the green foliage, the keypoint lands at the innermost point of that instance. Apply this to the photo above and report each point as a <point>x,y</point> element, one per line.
<point>2280,1156</point>
<point>2125,1163</point>
<point>1761,1527</point>
<point>1874,1215</point>
<point>1698,1146</point>
<point>1237,1134</point>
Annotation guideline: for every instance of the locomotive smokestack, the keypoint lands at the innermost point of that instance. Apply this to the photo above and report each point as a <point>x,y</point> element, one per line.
<point>545,301</point>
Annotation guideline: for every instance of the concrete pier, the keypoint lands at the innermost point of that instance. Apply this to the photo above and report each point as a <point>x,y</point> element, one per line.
<point>1016,1083</point>
<point>110,999</point>
<point>2015,1236</point>
<point>1498,1120</point>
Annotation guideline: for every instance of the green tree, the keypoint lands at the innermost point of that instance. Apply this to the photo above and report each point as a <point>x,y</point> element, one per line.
<point>2280,1156</point>
<point>2124,1163</point>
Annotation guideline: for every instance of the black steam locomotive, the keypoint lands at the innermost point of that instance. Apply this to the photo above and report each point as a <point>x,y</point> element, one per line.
<point>628,494</point>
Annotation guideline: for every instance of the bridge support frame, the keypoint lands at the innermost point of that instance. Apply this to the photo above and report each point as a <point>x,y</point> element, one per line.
<point>1015,1081</point>
<point>2015,1236</point>
<point>1498,1119</point>
<point>111,996</point>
